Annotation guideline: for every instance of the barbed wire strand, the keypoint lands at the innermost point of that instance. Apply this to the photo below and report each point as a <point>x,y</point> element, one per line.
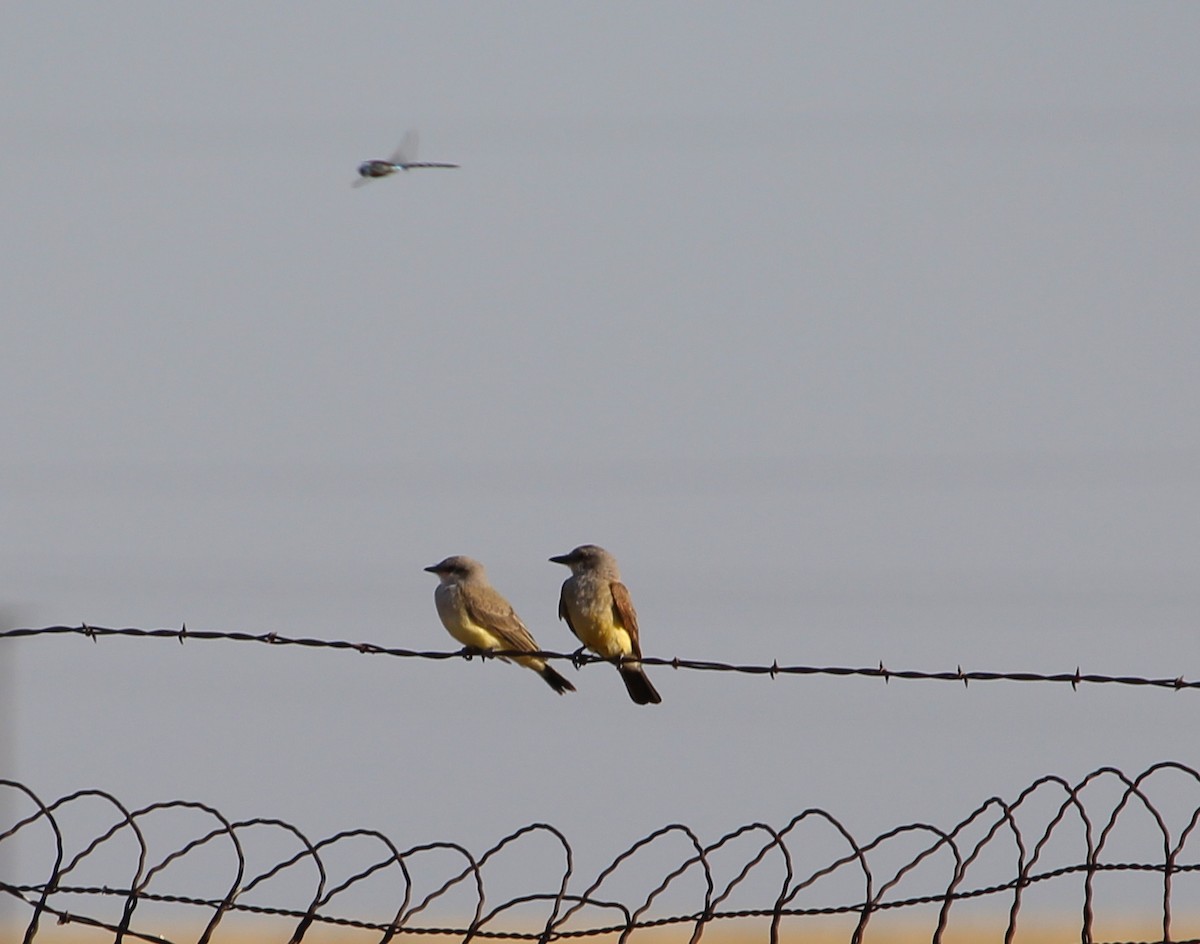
<point>786,859</point>
<point>583,659</point>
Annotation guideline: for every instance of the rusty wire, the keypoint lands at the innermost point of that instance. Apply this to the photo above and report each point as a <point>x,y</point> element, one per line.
<point>774,670</point>
<point>944,865</point>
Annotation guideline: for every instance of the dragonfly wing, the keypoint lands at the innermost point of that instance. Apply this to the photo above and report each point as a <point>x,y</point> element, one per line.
<point>406,153</point>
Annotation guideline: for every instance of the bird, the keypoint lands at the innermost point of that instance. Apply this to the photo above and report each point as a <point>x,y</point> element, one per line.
<point>476,615</point>
<point>597,608</point>
<point>403,158</point>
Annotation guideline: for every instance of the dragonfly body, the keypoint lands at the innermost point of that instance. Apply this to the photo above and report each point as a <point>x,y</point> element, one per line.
<point>402,159</point>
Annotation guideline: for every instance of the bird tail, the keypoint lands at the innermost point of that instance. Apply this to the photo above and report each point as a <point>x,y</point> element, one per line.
<point>638,685</point>
<point>555,681</point>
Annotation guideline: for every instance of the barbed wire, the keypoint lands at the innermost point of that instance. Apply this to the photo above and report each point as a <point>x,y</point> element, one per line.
<point>581,659</point>
<point>956,865</point>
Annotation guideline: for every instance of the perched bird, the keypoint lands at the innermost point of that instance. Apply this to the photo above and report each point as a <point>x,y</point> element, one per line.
<point>475,614</point>
<point>597,608</point>
<point>404,158</point>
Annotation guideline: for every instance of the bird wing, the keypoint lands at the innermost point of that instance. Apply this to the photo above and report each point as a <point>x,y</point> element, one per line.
<point>487,608</point>
<point>565,615</point>
<point>625,615</point>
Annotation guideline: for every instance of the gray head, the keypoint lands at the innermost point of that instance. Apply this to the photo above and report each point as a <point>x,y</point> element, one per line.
<point>458,568</point>
<point>589,559</point>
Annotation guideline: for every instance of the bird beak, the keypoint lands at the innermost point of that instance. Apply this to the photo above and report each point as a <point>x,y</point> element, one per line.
<point>561,559</point>
<point>431,570</point>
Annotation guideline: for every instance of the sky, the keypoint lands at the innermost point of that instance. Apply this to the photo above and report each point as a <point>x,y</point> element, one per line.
<point>857,332</point>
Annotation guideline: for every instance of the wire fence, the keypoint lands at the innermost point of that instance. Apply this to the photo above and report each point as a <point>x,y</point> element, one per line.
<point>1053,835</point>
<point>1074,678</point>
<point>89,862</point>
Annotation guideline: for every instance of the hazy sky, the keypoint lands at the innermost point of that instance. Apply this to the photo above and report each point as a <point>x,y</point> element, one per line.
<point>857,332</point>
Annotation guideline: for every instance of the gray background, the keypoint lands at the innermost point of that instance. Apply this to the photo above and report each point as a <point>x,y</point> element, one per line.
<point>856,332</point>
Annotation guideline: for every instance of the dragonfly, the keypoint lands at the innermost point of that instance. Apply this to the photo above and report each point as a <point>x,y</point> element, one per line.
<point>404,158</point>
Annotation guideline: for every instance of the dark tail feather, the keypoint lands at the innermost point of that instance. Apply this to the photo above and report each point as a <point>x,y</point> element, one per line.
<point>638,686</point>
<point>556,681</point>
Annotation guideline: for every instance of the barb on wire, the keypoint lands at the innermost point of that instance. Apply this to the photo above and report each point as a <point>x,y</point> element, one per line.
<point>1054,835</point>
<point>1074,678</point>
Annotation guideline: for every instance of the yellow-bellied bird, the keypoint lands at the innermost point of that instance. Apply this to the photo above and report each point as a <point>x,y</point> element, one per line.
<point>597,608</point>
<point>475,614</point>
